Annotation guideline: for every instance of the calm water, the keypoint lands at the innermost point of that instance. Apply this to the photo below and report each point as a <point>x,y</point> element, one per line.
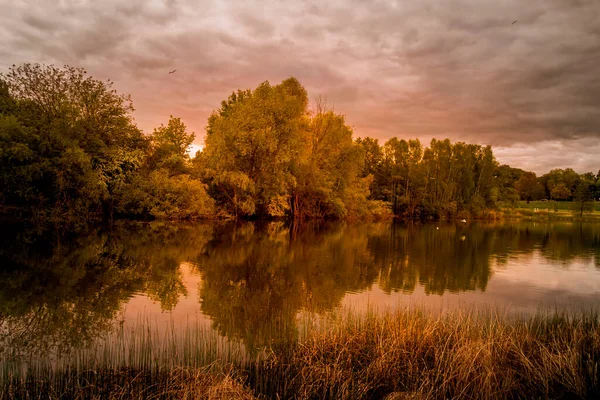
<point>250,283</point>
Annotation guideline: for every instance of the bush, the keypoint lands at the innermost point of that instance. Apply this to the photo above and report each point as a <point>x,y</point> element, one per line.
<point>380,210</point>
<point>161,196</point>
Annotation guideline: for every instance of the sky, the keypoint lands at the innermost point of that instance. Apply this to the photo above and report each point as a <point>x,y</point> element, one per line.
<point>423,68</point>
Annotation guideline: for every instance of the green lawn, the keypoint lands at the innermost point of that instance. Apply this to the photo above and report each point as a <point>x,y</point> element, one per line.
<point>552,205</point>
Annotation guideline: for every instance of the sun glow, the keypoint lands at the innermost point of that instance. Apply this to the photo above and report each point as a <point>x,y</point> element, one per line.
<point>194,148</point>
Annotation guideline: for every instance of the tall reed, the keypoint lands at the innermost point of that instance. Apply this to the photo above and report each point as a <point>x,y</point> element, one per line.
<point>402,354</point>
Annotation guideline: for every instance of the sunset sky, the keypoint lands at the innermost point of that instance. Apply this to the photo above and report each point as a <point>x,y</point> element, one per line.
<point>447,68</point>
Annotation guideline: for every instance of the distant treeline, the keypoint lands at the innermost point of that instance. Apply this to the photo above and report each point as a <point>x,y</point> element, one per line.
<point>558,184</point>
<point>452,180</point>
<point>69,149</point>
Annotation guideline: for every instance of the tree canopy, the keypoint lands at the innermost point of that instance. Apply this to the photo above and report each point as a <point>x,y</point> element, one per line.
<point>70,149</point>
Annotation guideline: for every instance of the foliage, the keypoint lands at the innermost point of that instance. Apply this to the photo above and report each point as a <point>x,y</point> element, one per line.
<point>443,180</point>
<point>169,146</point>
<point>69,149</point>
<point>505,178</point>
<point>68,140</point>
<point>560,192</point>
<point>327,180</point>
<point>265,155</point>
<point>529,188</point>
<point>583,200</point>
<point>559,178</point>
<point>162,196</point>
<point>250,145</point>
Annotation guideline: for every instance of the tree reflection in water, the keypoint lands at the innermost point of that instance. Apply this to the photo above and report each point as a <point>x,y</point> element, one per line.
<point>61,290</point>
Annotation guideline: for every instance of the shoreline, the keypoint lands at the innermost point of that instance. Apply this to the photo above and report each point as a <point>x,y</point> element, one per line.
<point>502,214</point>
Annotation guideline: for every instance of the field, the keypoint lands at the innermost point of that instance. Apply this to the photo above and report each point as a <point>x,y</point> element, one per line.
<point>399,355</point>
<point>552,205</point>
<point>549,211</point>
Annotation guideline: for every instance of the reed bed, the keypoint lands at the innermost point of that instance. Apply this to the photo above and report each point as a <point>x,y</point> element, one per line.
<point>401,354</point>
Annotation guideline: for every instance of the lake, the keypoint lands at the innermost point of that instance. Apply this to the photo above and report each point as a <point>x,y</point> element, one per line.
<point>254,283</point>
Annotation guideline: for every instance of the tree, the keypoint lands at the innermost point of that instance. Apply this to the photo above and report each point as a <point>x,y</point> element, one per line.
<point>505,178</point>
<point>402,172</point>
<point>560,192</point>
<point>327,176</point>
<point>69,148</point>
<point>372,155</point>
<point>166,187</point>
<point>373,162</point>
<point>596,189</point>
<point>169,146</point>
<point>511,196</point>
<point>567,177</point>
<point>77,139</point>
<point>571,179</point>
<point>250,148</point>
<point>528,187</point>
<point>582,198</point>
<point>396,170</point>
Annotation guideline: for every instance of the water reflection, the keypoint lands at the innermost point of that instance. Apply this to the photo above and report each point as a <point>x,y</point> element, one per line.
<point>64,290</point>
<point>255,279</point>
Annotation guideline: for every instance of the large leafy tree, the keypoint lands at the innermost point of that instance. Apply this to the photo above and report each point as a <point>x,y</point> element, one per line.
<point>528,187</point>
<point>505,178</point>
<point>266,155</point>
<point>250,146</point>
<point>327,178</point>
<point>70,138</point>
<point>557,177</point>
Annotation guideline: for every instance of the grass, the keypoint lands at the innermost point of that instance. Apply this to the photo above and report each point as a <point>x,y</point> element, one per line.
<point>552,205</point>
<point>404,354</point>
<point>550,210</point>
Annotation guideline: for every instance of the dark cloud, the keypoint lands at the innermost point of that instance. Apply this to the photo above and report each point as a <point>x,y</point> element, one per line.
<point>459,69</point>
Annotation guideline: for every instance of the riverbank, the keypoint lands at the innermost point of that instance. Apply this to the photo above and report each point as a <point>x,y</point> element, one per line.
<point>520,213</point>
<point>404,354</point>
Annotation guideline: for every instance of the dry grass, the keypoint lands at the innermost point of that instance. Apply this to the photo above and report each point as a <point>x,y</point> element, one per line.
<point>452,356</point>
<point>401,355</point>
<point>199,383</point>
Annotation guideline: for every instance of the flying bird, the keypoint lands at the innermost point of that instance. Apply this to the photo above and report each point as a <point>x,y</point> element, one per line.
<point>172,72</point>
<point>514,22</point>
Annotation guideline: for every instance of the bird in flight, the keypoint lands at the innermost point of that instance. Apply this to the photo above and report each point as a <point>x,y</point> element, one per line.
<point>172,72</point>
<point>514,22</point>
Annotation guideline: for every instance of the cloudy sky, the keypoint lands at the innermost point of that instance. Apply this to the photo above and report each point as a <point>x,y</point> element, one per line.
<point>420,68</point>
